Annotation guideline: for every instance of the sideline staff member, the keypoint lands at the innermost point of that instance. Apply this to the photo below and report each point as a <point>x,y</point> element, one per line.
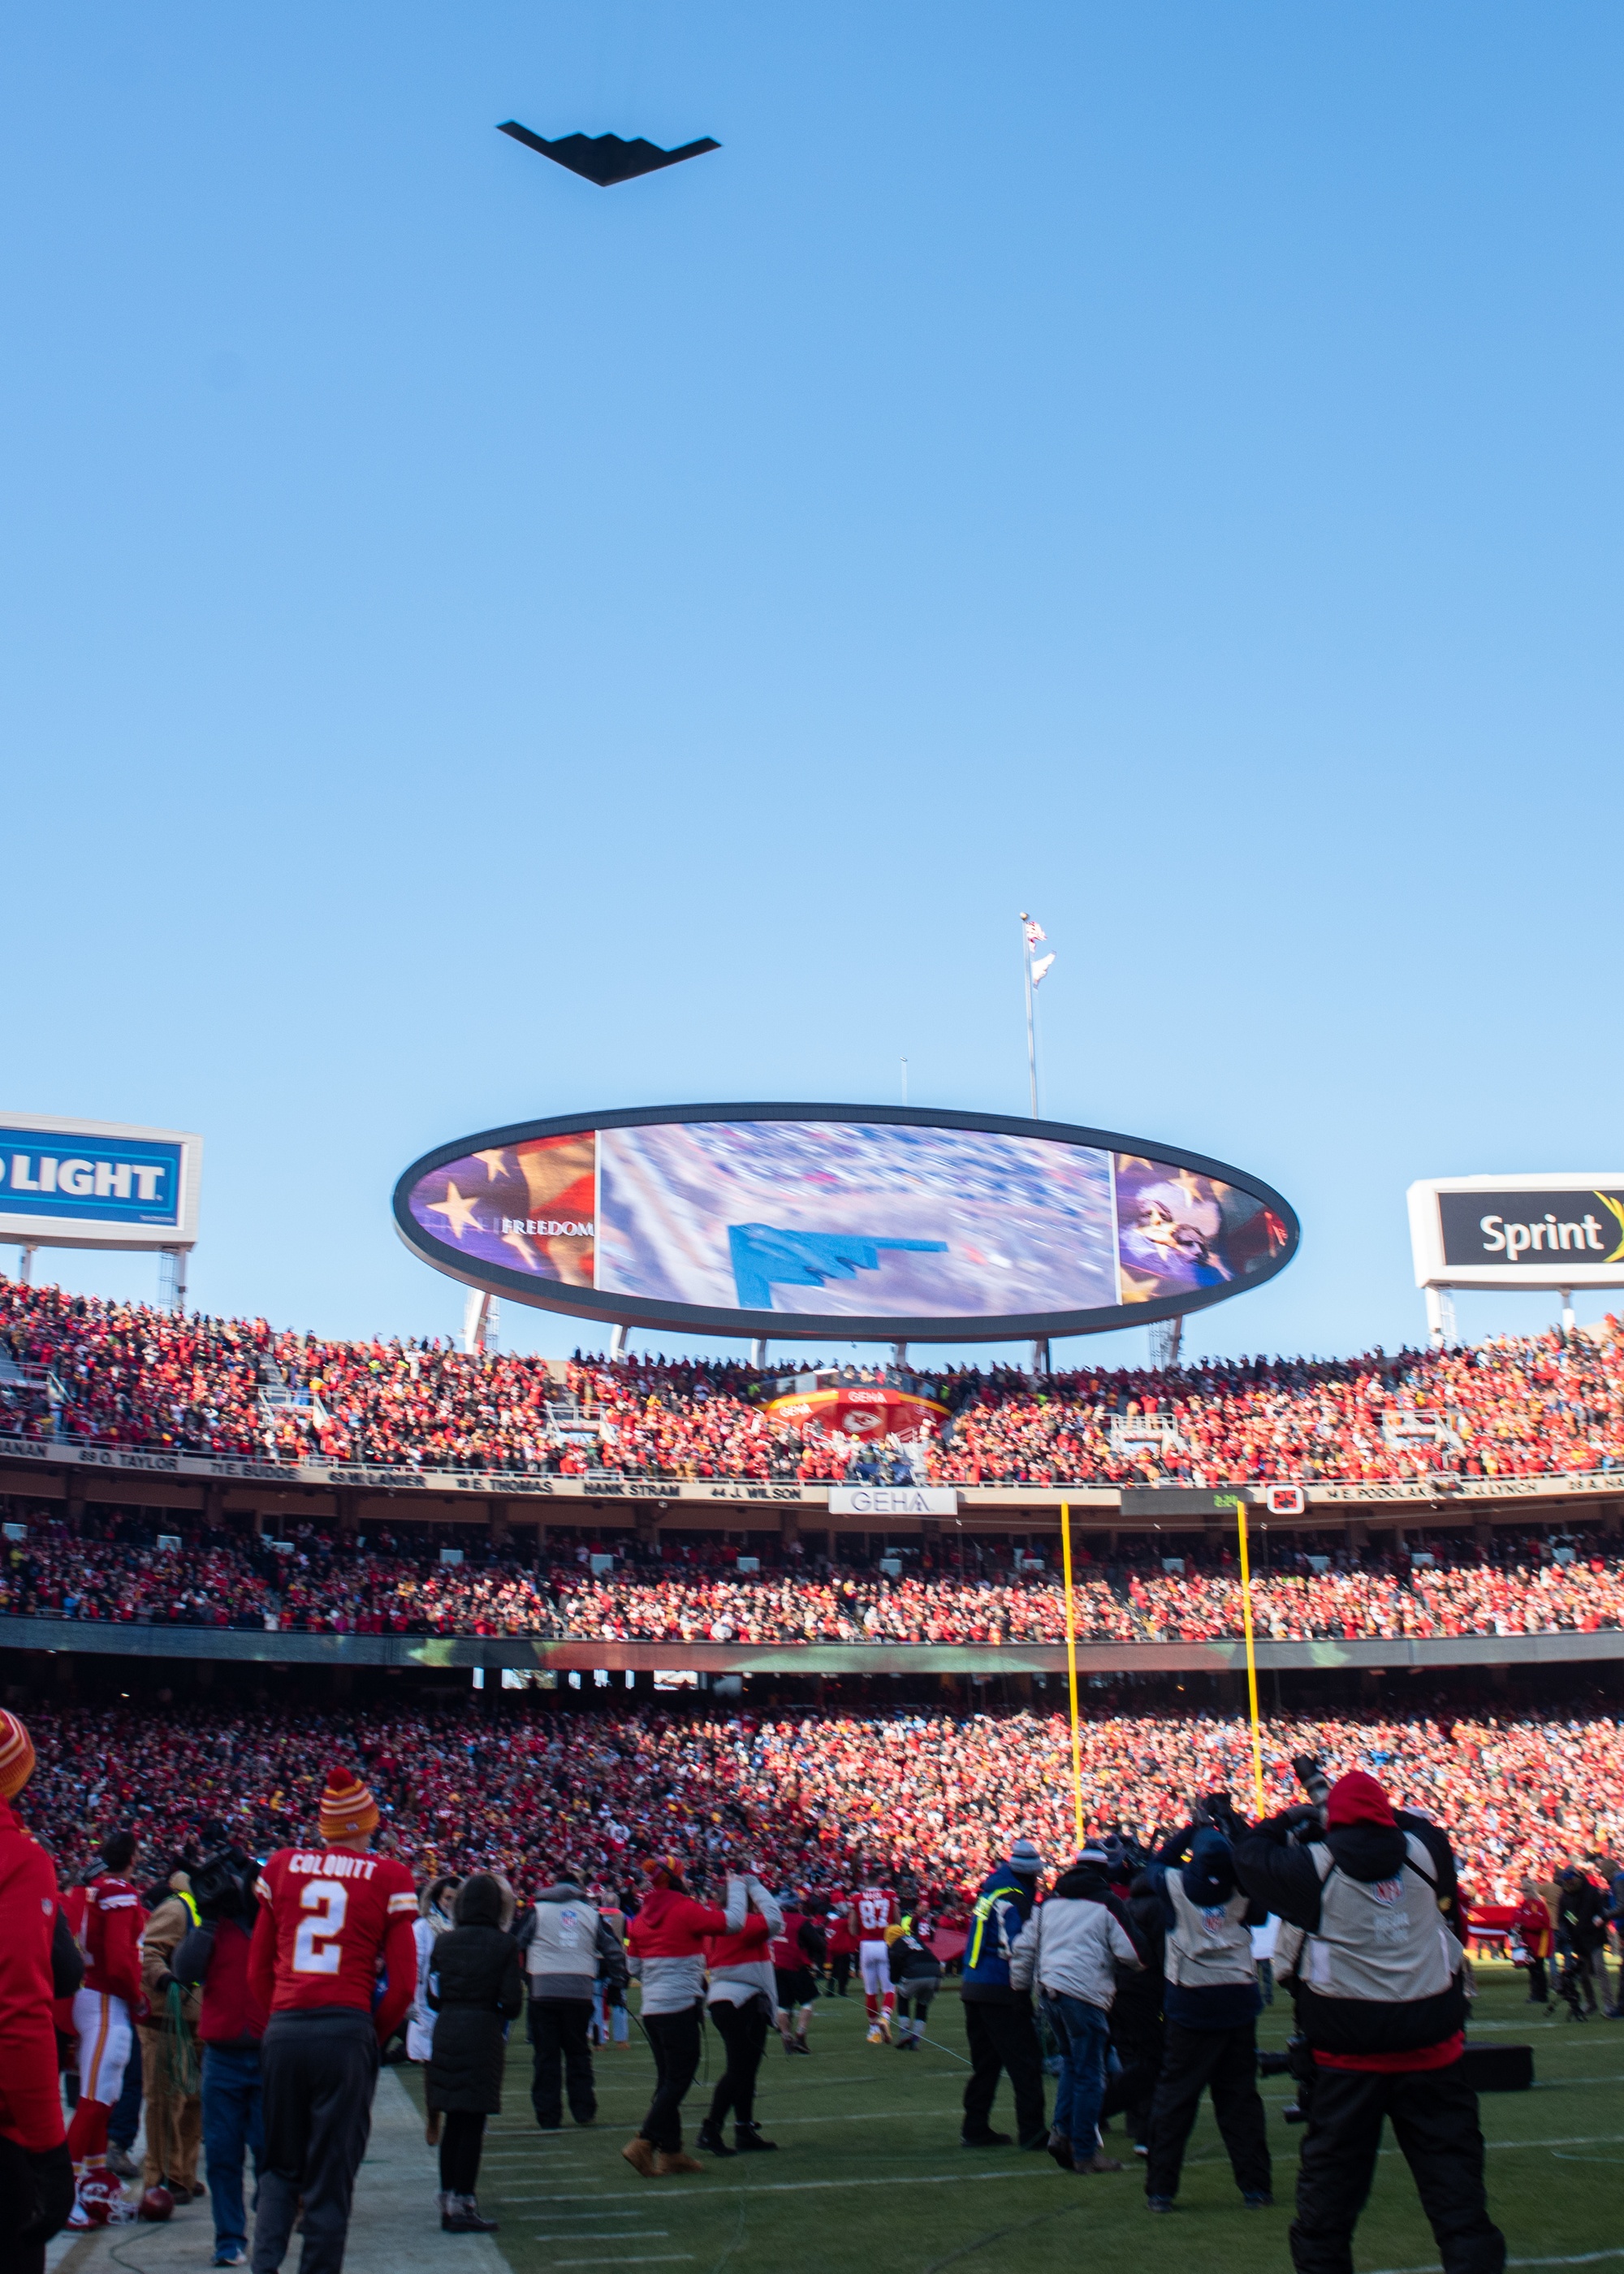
<point>1382,2002</point>
<point>999,2027</point>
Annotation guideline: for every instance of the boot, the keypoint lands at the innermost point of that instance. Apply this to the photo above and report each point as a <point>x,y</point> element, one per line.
<point>747,2140</point>
<point>667,2165</point>
<point>709,2138</point>
<point>1060,2149</point>
<point>431,2130</point>
<point>640,2155</point>
<point>1098,2162</point>
<point>461,2216</point>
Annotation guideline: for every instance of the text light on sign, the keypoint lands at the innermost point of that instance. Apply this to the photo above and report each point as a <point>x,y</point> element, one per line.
<point>97,1183</point>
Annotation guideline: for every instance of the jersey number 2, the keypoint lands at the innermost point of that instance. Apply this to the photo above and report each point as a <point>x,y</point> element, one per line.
<point>316,1945</point>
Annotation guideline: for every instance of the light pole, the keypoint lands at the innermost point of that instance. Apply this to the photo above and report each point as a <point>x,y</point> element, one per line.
<point>1030,932</point>
<point>1033,969</point>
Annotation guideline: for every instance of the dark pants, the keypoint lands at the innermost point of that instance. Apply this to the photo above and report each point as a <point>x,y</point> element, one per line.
<point>319,2071</point>
<point>743,2032</point>
<point>233,2126</point>
<point>1434,2118</point>
<point>559,2031</point>
<point>36,2195</point>
<point>840,1971</point>
<point>1537,1985</point>
<point>1191,2060</point>
<point>1003,2037</point>
<point>462,2143</point>
<point>125,2120</point>
<point>1138,2043</point>
<point>673,2039</point>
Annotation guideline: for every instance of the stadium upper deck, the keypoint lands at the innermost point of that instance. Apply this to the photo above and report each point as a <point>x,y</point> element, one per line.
<point>91,1372</point>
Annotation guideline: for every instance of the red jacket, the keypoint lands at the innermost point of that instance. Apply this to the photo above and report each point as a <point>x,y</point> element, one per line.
<point>1531,1925</point>
<point>230,2014</point>
<point>670,1925</point>
<point>745,1948</point>
<point>30,2100</point>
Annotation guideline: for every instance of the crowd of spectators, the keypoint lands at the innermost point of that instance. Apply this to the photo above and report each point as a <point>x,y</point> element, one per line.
<point>123,1570</point>
<point>815,1800</point>
<point>120,1373</point>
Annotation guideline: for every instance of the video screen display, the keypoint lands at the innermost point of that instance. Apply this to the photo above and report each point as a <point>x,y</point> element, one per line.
<point>835,1219</point>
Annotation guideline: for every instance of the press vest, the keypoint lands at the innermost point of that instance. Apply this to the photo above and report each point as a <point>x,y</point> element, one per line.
<point>1384,1941</point>
<point>566,1942</point>
<point>1207,1947</point>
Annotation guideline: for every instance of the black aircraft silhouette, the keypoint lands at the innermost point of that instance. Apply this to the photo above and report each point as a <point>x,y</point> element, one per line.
<point>604,158</point>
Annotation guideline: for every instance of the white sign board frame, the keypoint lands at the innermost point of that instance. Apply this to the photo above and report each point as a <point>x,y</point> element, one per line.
<point>36,1228</point>
<point>1567,1203</point>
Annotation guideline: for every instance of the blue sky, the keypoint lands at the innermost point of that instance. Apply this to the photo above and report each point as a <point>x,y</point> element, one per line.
<point>476,645</point>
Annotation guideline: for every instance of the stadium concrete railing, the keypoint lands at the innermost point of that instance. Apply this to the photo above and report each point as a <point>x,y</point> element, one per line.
<point>204,1484</point>
<point>536,1655</point>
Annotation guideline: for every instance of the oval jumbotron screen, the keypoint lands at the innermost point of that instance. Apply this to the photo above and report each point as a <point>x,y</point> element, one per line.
<point>860,1223</point>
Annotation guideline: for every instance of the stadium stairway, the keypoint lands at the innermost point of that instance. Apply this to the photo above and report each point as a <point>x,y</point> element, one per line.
<point>395,2228</point>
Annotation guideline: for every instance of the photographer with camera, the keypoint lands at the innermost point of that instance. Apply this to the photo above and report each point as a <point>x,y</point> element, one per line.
<point>214,1957</point>
<point>1381,2001</point>
<point>1211,2003</point>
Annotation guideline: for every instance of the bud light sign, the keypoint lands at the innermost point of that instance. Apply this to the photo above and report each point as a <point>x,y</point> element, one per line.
<point>94,1183</point>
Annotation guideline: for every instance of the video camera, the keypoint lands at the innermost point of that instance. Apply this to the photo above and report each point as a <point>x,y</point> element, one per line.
<point>1306,1820</point>
<point>1214,1809</point>
<point>223,1886</point>
<point>1311,1776</point>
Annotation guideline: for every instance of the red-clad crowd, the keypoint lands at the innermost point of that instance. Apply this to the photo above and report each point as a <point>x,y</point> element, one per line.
<point>118,1374</point>
<point>332,1582</point>
<point>814,1799</point>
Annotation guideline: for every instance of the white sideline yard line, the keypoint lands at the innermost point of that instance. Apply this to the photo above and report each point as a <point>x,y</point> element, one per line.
<point>664,2258</point>
<point>1030,2171</point>
<point>1579,2258</point>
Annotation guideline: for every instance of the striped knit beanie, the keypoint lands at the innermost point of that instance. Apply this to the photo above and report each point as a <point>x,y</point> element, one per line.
<point>16,1756</point>
<point>348,1810</point>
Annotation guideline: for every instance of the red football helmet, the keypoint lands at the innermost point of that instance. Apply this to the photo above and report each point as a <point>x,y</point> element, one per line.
<point>156,2203</point>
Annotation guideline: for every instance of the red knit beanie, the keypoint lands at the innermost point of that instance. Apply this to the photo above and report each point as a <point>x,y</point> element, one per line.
<point>348,1810</point>
<point>16,1756</point>
<point>1357,1798</point>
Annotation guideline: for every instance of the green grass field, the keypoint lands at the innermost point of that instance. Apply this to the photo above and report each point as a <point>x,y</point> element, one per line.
<point>869,2174</point>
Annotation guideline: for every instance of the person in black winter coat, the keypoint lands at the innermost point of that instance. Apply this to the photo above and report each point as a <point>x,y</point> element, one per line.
<point>1137,2028</point>
<point>475,1988</point>
<point>1582,1936</point>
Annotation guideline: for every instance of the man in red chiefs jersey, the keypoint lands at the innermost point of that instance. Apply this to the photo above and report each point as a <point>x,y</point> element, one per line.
<point>38,1962</point>
<point>873,1909</point>
<point>328,1918</point>
<point>109,1930</point>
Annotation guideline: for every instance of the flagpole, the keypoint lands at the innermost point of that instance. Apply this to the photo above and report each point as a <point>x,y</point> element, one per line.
<point>1031,1045</point>
<point>1071,1627</point>
<point>1239,1503</point>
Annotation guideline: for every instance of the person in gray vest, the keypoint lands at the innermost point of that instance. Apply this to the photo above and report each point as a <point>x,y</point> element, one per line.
<point>1381,2001</point>
<point>1211,2003</point>
<point>565,1945</point>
